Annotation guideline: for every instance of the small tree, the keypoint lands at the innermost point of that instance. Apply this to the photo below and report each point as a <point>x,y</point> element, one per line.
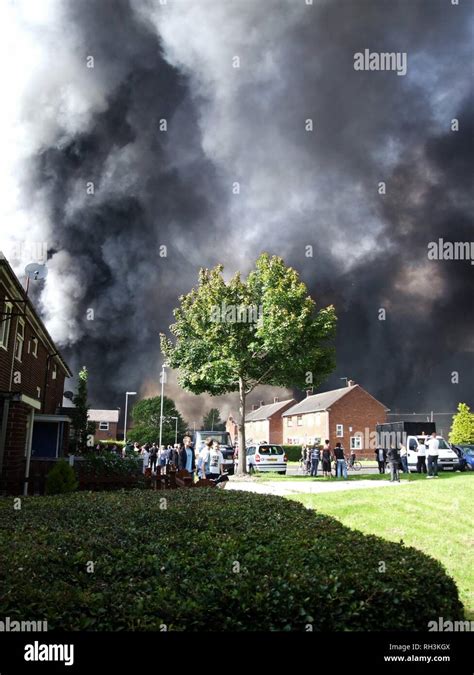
<point>234,336</point>
<point>212,421</point>
<point>81,426</point>
<point>146,421</point>
<point>462,429</point>
<point>61,479</point>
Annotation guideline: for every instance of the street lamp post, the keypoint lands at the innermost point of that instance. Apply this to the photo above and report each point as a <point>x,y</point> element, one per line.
<point>175,429</point>
<point>127,394</point>
<point>162,397</point>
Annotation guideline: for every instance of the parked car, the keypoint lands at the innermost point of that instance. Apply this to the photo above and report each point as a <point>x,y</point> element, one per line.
<point>264,457</point>
<point>465,452</point>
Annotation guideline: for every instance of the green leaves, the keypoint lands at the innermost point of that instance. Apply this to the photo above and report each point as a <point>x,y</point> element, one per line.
<point>462,430</point>
<point>177,566</point>
<point>146,421</point>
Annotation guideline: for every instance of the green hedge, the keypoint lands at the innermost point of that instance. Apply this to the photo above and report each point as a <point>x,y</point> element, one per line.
<point>211,560</point>
<point>293,452</point>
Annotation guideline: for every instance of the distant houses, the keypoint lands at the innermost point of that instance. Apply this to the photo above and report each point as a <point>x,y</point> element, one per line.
<point>106,422</point>
<point>347,415</point>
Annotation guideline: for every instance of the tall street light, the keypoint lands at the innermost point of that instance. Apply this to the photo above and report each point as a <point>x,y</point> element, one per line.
<point>127,394</point>
<point>163,375</point>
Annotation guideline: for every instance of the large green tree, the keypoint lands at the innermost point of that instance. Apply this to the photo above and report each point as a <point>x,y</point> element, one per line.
<point>212,421</point>
<point>146,421</point>
<point>233,336</point>
<point>462,429</point>
<point>82,429</point>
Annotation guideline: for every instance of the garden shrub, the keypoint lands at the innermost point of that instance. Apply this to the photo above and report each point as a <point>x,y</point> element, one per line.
<point>293,452</point>
<point>61,479</point>
<point>109,464</point>
<point>211,560</point>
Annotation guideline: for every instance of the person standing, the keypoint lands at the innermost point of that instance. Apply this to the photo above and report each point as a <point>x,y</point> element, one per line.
<point>393,457</point>
<point>315,457</point>
<point>327,459</point>
<point>341,466</point>
<point>404,458</point>
<point>214,462</point>
<point>381,457</point>
<point>201,470</point>
<point>145,457</point>
<point>153,457</point>
<point>421,459</point>
<point>433,452</point>
<point>188,456</point>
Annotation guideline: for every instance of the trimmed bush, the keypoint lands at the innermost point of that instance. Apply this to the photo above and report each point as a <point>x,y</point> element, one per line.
<point>61,479</point>
<point>109,464</point>
<point>211,560</point>
<point>293,452</point>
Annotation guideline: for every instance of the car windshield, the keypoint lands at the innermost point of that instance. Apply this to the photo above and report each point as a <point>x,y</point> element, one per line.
<point>468,449</point>
<point>442,443</point>
<point>270,450</point>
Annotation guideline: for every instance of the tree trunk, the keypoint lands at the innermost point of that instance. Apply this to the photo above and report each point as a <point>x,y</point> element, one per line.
<point>242,465</point>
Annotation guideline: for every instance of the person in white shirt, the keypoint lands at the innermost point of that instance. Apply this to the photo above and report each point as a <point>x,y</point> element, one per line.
<point>146,457</point>
<point>404,458</point>
<point>433,452</point>
<point>421,459</point>
<point>213,461</point>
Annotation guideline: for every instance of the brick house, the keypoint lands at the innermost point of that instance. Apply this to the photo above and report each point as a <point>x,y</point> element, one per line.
<point>106,422</point>
<point>265,423</point>
<point>32,374</point>
<point>348,415</point>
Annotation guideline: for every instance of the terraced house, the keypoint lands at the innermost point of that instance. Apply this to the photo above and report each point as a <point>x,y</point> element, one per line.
<point>32,374</point>
<point>348,415</point>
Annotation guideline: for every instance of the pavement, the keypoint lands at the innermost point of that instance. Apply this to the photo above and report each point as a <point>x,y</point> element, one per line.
<point>285,488</point>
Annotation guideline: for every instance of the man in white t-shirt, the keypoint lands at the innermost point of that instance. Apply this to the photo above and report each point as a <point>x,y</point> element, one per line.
<point>433,451</point>
<point>421,458</point>
<point>213,461</point>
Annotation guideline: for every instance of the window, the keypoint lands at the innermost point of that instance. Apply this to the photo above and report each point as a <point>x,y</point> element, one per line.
<point>339,430</point>
<point>356,443</point>
<point>289,421</point>
<point>38,391</point>
<point>5,320</point>
<point>34,346</point>
<point>300,420</point>
<point>103,426</point>
<point>20,339</point>
<point>54,372</point>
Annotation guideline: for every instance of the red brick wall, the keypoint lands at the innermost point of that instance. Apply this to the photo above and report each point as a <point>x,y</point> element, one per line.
<point>276,424</point>
<point>14,458</point>
<point>111,434</point>
<point>357,409</point>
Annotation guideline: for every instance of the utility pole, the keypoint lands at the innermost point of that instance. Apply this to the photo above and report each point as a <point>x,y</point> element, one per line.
<point>163,375</point>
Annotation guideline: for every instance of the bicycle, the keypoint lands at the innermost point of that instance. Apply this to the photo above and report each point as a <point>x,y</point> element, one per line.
<point>350,466</point>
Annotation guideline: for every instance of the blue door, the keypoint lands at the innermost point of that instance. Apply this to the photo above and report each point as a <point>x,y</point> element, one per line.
<point>45,439</point>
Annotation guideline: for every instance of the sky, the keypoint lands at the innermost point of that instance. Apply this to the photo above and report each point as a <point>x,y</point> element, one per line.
<point>91,178</point>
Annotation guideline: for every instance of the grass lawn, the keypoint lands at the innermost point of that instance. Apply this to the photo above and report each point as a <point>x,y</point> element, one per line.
<point>351,475</point>
<point>435,516</point>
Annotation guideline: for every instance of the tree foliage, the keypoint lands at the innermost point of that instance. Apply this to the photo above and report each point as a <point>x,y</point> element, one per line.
<point>289,344</point>
<point>212,421</point>
<point>82,428</point>
<point>146,421</point>
<point>462,429</point>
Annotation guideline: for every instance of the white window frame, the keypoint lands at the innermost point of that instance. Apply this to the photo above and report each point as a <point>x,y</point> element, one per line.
<point>19,339</point>
<point>299,421</point>
<point>356,443</point>
<point>339,431</point>
<point>5,324</point>
<point>54,372</point>
<point>103,428</point>
<point>289,421</point>
<point>34,342</point>
<point>38,391</point>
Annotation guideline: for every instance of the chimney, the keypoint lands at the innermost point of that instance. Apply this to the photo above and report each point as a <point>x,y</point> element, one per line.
<point>255,406</point>
<point>309,392</point>
<point>350,383</point>
<point>262,403</point>
<point>276,399</point>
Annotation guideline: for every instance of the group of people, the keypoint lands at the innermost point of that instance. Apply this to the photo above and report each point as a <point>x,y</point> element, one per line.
<point>207,463</point>
<point>311,456</point>
<point>427,458</point>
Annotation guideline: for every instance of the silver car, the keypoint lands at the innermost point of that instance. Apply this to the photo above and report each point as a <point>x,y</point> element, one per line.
<point>264,457</point>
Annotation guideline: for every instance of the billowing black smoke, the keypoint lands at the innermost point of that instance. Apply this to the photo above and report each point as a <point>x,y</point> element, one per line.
<point>298,188</point>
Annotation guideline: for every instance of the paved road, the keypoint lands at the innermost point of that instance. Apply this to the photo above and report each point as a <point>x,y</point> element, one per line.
<point>295,470</point>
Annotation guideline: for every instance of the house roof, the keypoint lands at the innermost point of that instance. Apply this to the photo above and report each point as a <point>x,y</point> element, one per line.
<point>319,402</point>
<point>103,415</point>
<point>266,411</point>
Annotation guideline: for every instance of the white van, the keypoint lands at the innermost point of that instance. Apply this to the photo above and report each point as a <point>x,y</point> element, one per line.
<point>447,458</point>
